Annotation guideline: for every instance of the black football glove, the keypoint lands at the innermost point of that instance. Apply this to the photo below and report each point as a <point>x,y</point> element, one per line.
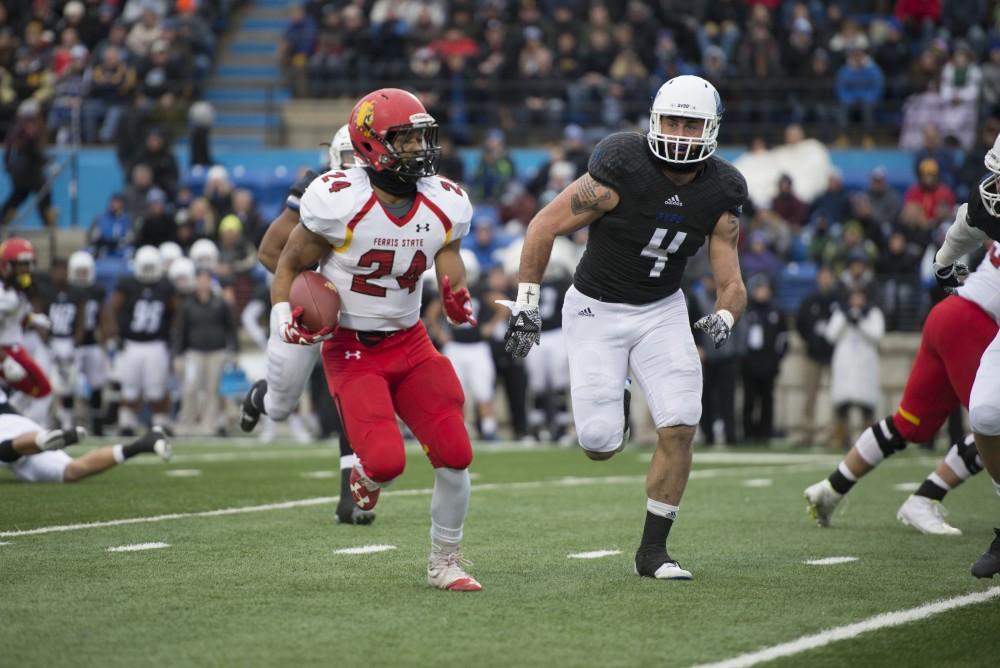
<point>524,329</point>
<point>951,276</point>
<point>716,327</point>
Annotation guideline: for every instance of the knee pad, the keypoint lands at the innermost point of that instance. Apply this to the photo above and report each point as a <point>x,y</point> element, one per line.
<point>985,419</point>
<point>963,458</point>
<point>599,435</point>
<point>881,440</point>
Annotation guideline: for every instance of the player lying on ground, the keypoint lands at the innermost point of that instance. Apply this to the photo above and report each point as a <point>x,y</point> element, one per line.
<point>956,333</point>
<point>386,224</point>
<point>651,202</point>
<point>977,221</point>
<point>289,365</point>
<point>35,455</point>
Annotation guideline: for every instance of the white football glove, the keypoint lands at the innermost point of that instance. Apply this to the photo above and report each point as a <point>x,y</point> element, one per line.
<point>39,321</point>
<point>13,371</point>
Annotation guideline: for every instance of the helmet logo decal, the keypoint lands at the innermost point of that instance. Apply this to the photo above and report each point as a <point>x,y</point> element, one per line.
<point>363,120</point>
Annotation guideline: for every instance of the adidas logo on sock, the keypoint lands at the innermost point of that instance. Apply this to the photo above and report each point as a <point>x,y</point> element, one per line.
<point>674,201</point>
<point>587,313</point>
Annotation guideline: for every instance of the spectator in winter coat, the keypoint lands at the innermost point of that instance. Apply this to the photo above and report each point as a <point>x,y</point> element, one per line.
<point>860,86</point>
<point>929,192</point>
<point>157,154</point>
<point>792,210</point>
<point>811,323</point>
<point>110,234</point>
<point>833,204</point>
<point>24,159</point>
<point>759,259</point>
<point>855,330</point>
<point>766,344</point>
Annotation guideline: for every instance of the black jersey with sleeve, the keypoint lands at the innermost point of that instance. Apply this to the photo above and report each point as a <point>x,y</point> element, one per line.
<point>978,217</point>
<point>637,252</point>
<point>299,188</point>
<point>61,309</point>
<point>145,315</point>
<point>551,295</point>
<point>482,310</point>
<point>89,300</point>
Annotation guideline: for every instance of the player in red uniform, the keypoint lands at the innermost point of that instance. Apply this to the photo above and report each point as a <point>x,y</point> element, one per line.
<point>375,230</point>
<point>955,334</point>
<point>17,368</point>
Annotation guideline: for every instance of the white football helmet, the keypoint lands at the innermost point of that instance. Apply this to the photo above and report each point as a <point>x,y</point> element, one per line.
<point>182,275</point>
<point>989,188</point>
<point>170,251</point>
<point>471,263</point>
<point>147,265</point>
<point>342,155</point>
<point>689,97</point>
<point>82,269</point>
<point>205,254</point>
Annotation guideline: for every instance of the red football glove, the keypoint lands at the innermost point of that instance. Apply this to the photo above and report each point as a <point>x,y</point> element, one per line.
<point>291,329</point>
<point>457,305</point>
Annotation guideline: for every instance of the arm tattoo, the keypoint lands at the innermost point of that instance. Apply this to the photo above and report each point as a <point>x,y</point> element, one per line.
<point>588,196</point>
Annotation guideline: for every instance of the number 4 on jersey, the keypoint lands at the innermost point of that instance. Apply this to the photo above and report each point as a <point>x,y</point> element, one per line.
<point>655,250</point>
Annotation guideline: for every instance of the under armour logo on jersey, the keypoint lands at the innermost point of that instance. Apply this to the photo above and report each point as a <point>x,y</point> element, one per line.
<point>352,354</point>
<point>423,227</point>
<point>674,201</point>
<point>587,313</point>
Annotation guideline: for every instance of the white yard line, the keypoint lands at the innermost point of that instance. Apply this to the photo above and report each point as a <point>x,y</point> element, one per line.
<point>182,473</point>
<point>138,547</point>
<point>757,482</point>
<point>365,549</point>
<point>596,554</point>
<point>829,561</point>
<point>320,475</point>
<point>883,621</point>
<point>325,500</point>
<point>907,487</point>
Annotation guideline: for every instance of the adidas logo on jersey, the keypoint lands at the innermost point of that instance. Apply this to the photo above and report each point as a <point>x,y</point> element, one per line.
<point>674,201</point>
<point>587,313</point>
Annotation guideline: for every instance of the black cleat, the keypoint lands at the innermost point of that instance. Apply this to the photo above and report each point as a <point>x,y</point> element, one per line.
<point>349,513</point>
<point>988,564</point>
<point>253,405</point>
<point>658,564</point>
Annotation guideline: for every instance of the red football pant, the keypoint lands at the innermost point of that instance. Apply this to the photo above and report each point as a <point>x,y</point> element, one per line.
<point>955,335</point>
<point>35,383</point>
<point>402,374</point>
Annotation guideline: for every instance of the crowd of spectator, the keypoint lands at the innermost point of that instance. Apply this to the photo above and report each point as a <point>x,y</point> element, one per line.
<point>845,67</point>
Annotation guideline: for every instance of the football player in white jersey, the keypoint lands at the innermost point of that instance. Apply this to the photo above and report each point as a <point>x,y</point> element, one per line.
<point>956,332</point>
<point>977,221</point>
<point>375,230</point>
<point>34,454</point>
<point>18,369</point>
<point>289,366</point>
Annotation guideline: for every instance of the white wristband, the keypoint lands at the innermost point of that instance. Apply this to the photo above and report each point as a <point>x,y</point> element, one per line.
<point>527,293</point>
<point>727,317</point>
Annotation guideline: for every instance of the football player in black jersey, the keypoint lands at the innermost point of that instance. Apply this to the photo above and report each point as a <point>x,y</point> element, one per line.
<point>140,313</point>
<point>91,359</point>
<point>289,366</point>
<point>976,222</point>
<point>651,202</point>
<point>61,308</point>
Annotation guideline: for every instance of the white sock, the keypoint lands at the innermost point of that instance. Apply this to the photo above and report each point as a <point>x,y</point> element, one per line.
<point>867,446</point>
<point>449,505</point>
<point>348,461</point>
<point>489,425</point>
<point>118,453</point>
<point>846,472</point>
<point>662,509</point>
<point>939,481</point>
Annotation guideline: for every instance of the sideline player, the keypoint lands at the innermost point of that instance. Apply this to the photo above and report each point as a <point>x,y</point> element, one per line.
<point>140,311</point>
<point>35,455</point>
<point>387,223</point>
<point>651,202</point>
<point>955,334</point>
<point>17,368</point>
<point>977,221</point>
<point>289,365</point>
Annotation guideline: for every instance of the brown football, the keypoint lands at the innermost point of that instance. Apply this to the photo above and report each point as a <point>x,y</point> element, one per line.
<point>319,300</point>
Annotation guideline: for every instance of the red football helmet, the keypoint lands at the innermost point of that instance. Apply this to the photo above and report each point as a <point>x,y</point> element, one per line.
<point>13,252</point>
<point>387,125</point>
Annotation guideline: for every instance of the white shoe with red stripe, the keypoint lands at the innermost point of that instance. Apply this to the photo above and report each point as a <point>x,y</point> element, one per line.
<point>361,491</point>
<point>445,570</point>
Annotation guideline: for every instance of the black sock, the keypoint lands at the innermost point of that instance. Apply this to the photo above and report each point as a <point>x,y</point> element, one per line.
<point>930,490</point>
<point>840,482</point>
<point>345,446</point>
<point>8,454</point>
<point>345,487</point>
<point>655,532</point>
<point>139,446</point>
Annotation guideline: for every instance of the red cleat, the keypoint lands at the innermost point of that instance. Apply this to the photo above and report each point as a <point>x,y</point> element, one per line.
<point>364,497</point>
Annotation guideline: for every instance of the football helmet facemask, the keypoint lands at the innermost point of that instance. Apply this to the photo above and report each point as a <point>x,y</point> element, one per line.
<point>685,96</point>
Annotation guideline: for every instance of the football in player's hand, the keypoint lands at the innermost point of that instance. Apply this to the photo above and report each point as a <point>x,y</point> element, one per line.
<point>319,300</point>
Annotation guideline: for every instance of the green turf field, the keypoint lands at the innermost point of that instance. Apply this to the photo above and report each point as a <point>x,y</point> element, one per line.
<point>264,586</point>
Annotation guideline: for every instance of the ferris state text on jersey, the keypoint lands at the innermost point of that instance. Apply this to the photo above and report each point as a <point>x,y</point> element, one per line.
<point>378,259</point>
<point>637,252</point>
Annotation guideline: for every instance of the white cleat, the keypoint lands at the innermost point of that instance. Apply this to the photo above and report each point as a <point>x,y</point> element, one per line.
<point>161,446</point>
<point>822,499</point>
<point>926,516</point>
<point>445,570</point>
